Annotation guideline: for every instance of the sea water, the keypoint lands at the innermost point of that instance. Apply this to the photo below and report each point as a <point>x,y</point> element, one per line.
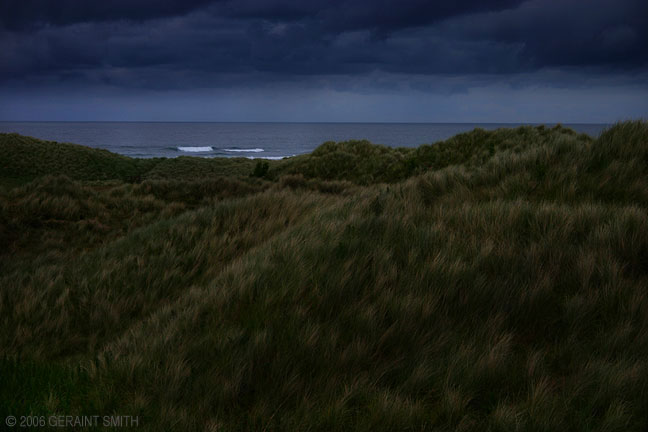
<point>253,140</point>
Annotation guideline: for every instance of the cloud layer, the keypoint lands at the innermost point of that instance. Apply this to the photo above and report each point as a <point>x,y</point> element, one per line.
<point>361,46</point>
<point>118,41</point>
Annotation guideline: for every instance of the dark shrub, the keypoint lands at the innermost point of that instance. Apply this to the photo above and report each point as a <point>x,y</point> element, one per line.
<point>261,169</point>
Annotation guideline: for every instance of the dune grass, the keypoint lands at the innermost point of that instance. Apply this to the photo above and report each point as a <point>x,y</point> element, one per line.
<point>23,159</point>
<point>494,281</point>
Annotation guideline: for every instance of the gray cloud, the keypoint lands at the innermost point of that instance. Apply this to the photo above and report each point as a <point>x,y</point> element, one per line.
<point>270,40</point>
<point>345,47</point>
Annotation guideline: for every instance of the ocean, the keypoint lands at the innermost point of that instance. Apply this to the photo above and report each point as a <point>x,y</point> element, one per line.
<point>253,140</point>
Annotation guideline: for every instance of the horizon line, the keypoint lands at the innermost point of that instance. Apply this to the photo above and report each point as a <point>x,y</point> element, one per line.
<point>305,122</point>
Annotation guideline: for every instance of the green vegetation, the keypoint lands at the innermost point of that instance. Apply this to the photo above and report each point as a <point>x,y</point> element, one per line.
<point>494,281</point>
<point>23,159</point>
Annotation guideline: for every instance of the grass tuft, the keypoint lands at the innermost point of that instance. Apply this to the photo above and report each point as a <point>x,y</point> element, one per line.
<point>493,281</point>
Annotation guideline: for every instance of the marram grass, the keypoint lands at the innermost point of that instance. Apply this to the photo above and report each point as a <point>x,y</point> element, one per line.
<point>494,281</point>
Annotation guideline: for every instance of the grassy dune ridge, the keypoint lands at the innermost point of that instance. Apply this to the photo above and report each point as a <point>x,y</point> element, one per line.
<point>493,281</point>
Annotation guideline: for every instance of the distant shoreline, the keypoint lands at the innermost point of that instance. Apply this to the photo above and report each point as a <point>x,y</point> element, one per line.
<point>276,140</point>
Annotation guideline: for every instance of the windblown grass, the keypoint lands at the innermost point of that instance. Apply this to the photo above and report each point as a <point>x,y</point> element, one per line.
<point>23,159</point>
<point>495,281</point>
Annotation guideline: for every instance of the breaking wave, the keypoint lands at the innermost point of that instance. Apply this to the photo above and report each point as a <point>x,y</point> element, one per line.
<point>196,149</point>
<point>254,150</point>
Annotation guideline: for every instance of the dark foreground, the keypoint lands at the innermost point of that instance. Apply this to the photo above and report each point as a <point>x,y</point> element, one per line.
<point>495,281</point>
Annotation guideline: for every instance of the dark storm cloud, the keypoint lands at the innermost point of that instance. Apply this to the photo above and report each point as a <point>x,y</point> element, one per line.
<point>22,14</point>
<point>565,33</point>
<point>382,15</point>
<point>164,44</point>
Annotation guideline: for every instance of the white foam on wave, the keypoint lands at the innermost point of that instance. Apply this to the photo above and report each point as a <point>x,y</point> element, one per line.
<point>196,149</point>
<point>254,150</point>
<point>269,157</point>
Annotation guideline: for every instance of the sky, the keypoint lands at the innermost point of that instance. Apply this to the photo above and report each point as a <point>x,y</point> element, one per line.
<point>569,61</point>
